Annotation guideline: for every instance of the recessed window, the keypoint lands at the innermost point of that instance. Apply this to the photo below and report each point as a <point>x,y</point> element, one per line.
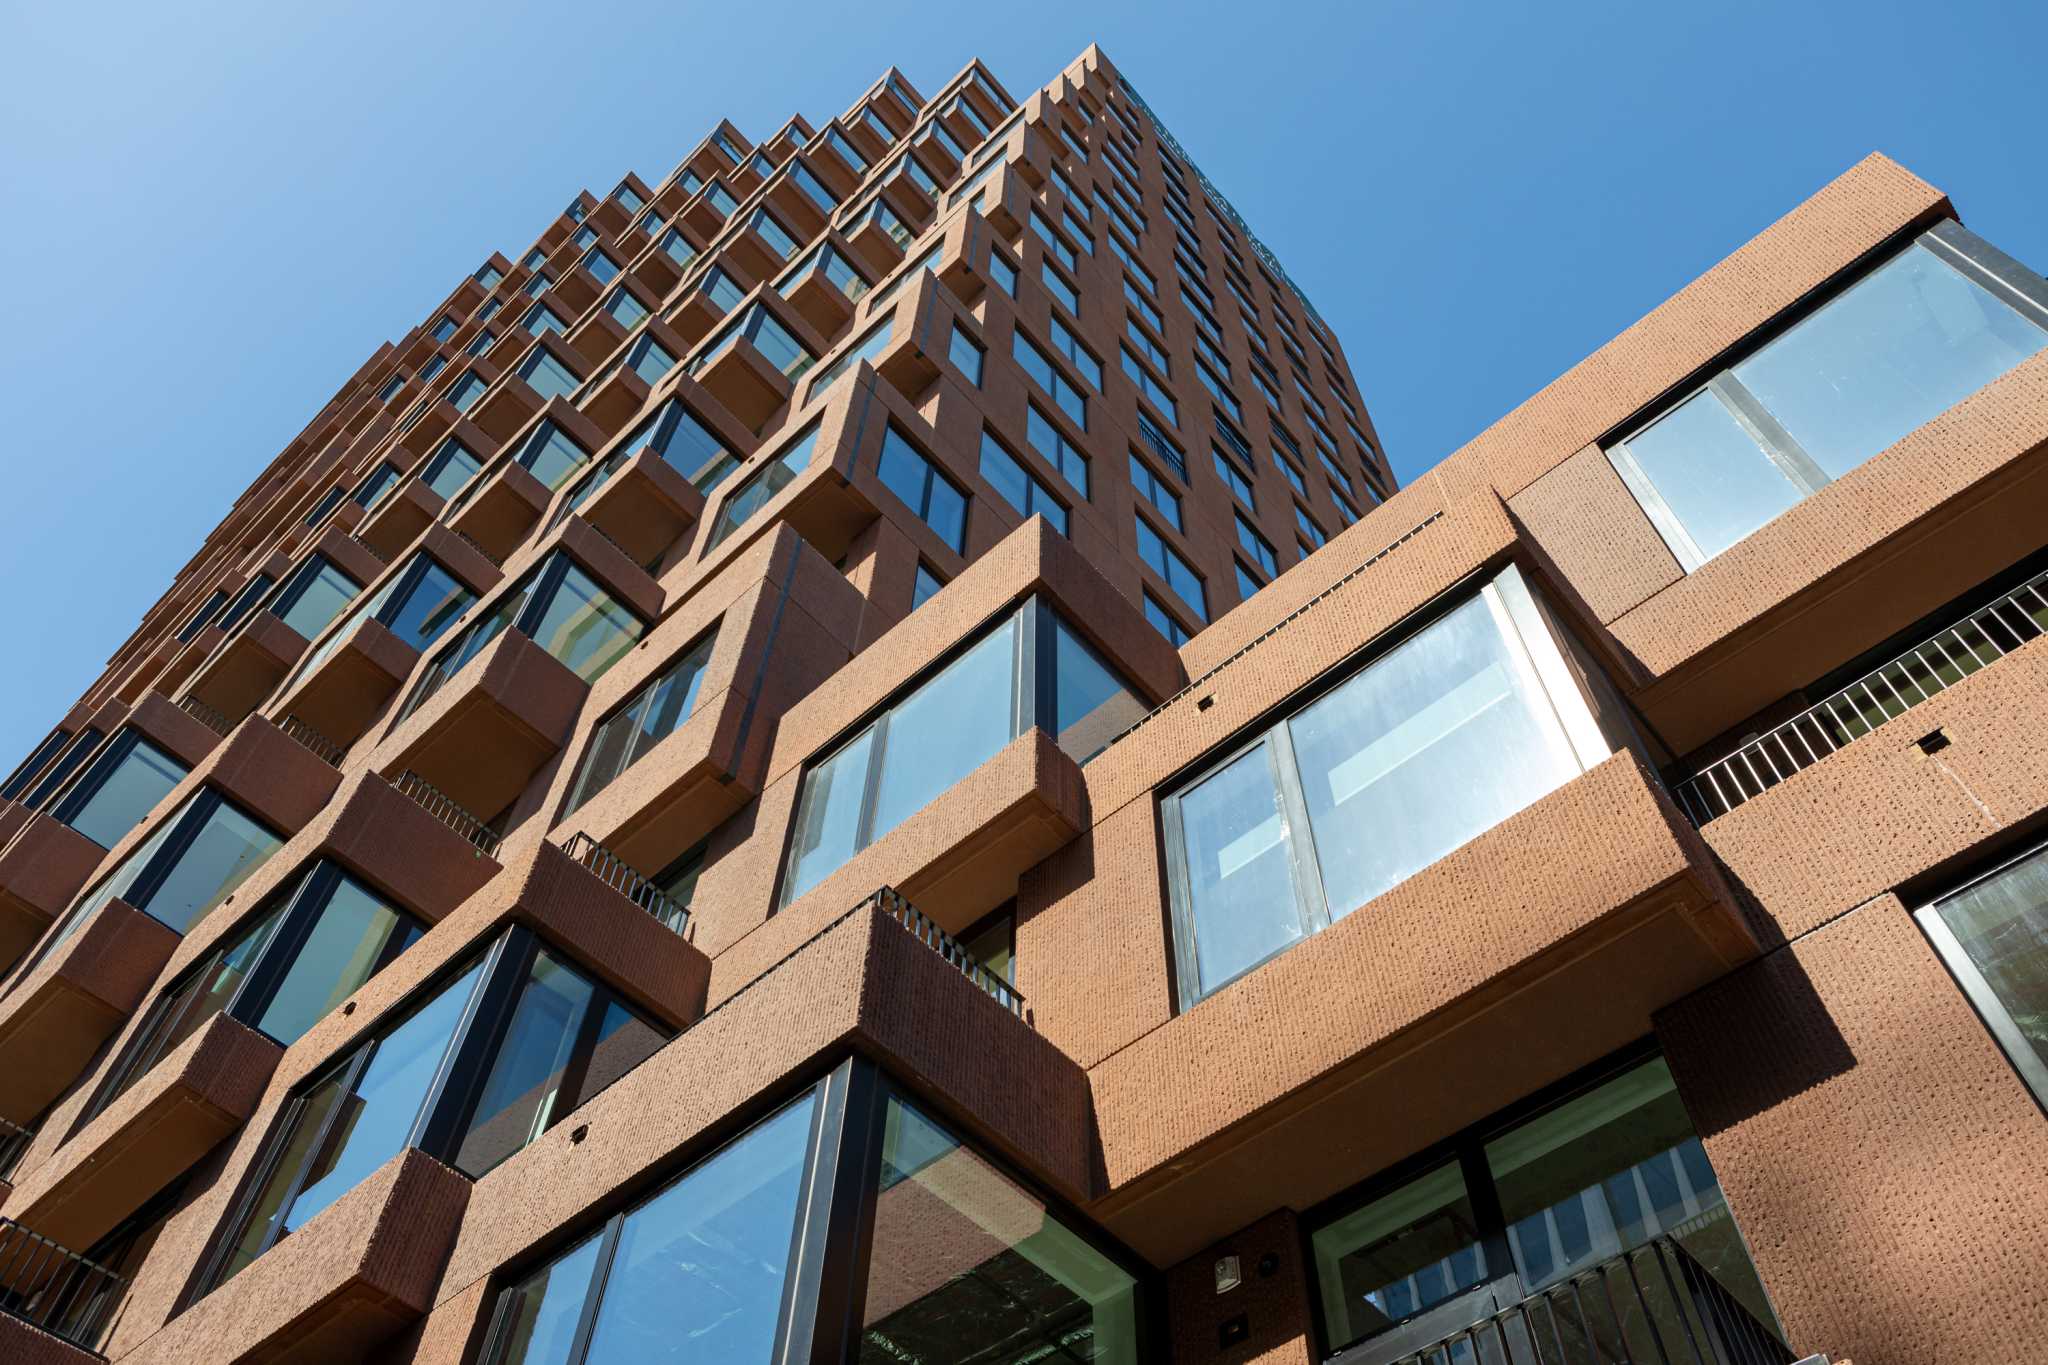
<point>287,967</point>
<point>1154,489</point>
<point>777,345</point>
<point>761,486</point>
<point>1054,243</point>
<point>650,715</point>
<point>867,348</point>
<point>1525,1205</point>
<point>780,239</point>
<point>720,198</point>
<point>1372,782</point>
<point>557,1038</point>
<point>1018,486</point>
<point>416,605</point>
<point>949,724</point>
<point>1148,385</point>
<point>550,454</point>
<point>1993,934</point>
<point>193,862</point>
<point>198,621</point>
<point>464,392</point>
<point>936,499</point>
<point>559,607</point>
<point>17,781</point>
<point>924,585</point>
<point>1056,385</point>
<point>488,275</point>
<point>625,308</point>
<point>630,197</point>
<point>546,375</point>
<point>807,181</point>
<point>676,247</point>
<point>1256,545</point>
<point>329,500</point>
<point>1165,622</point>
<point>966,354</point>
<point>1168,564</point>
<point>452,466</point>
<point>648,358</point>
<point>680,437</point>
<point>1056,285</point>
<point>1900,346</point>
<point>1055,449</point>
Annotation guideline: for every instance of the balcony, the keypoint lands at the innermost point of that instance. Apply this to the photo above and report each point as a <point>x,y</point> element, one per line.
<point>1654,1305</point>
<point>54,1304</point>
<point>54,1019</point>
<point>157,1130</point>
<point>498,513</point>
<point>349,1279</point>
<point>41,869</point>
<point>644,506</point>
<point>487,730</point>
<point>397,521</point>
<point>247,667</point>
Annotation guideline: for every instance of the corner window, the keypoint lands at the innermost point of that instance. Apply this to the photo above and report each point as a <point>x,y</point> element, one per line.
<point>1438,739</point>
<point>763,484</point>
<point>416,605</point>
<point>452,466</point>
<point>680,437</point>
<point>560,608</point>
<point>18,780</point>
<point>123,784</point>
<point>469,1083</point>
<point>307,950</point>
<point>936,499</point>
<point>1892,351</point>
<point>1018,486</point>
<point>1993,935</point>
<point>646,718</point>
<point>312,595</point>
<point>193,862</point>
<point>550,455</point>
<point>949,724</point>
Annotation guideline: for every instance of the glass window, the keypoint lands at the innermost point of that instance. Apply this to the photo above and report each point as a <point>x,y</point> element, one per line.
<point>1897,348</point>
<point>1019,1284</point>
<point>19,779</point>
<point>124,783</point>
<point>80,748</point>
<point>935,498</point>
<point>550,455</point>
<point>647,717</point>
<point>1055,449</point>
<point>720,288</point>
<point>196,623</point>
<point>762,485</point>
<point>1256,546</point>
<point>924,585</point>
<point>1057,286</point>
<point>680,437</point>
<point>546,375</point>
<point>376,484</point>
<point>677,247</point>
<point>625,308</point>
<point>1235,479</point>
<point>779,238</point>
<point>451,467</point>
<point>313,595</point>
<point>1437,740</point>
<point>1155,490</point>
<point>1070,400</point>
<point>720,198</point>
<point>1017,486</point>
<point>700,1266</point>
<point>1405,1252</point>
<point>541,318</point>
<point>1092,703</point>
<point>867,348</point>
<point>807,181</point>
<point>557,606</point>
<point>1994,937</point>
<point>1004,273</point>
<point>649,359</point>
<point>1168,564</point>
<point>1149,386</point>
<point>965,353</point>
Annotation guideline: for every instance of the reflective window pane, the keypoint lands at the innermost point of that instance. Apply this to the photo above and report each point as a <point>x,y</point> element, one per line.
<point>1404,1252</point>
<point>141,778</point>
<point>1091,704</point>
<point>699,1269</point>
<point>969,1266</point>
<point>946,729</point>
<point>1240,880</point>
<point>1711,473</point>
<point>828,820</point>
<point>537,1317</point>
<point>1905,344</point>
<point>356,932</point>
<point>319,599</point>
<point>227,848</point>
<point>585,628</point>
<point>2000,926</point>
<point>529,1072</point>
<point>1443,738</point>
<point>432,605</point>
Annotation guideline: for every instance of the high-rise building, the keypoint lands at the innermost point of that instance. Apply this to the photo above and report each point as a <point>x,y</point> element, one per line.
<point>855,757</point>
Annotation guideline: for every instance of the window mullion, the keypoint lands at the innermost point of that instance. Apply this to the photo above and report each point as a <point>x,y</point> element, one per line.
<point>1986,265</point>
<point>593,1294</point>
<point>351,1074</point>
<point>274,958</point>
<point>871,783</point>
<point>1779,445</point>
<point>1309,898</point>
<point>1665,521</point>
<point>468,1050</point>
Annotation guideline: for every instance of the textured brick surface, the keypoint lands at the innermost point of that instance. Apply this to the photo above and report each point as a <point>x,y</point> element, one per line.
<point>1594,531</point>
<point>1884,1161</point>
<point>1274,1304</point>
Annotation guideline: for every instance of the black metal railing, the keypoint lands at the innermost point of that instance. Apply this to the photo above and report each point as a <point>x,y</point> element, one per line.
<point>1891,689</point>
<point>610,869</point>
<point>55,1289</point>
<point>206,715</point>
<point>1653,1305</point>
<point>366,548</point>
<point>14,1140</point>
<point>891,903</point>
<point>437,804</point>
<point>323,747</point>
<point>467,539</point>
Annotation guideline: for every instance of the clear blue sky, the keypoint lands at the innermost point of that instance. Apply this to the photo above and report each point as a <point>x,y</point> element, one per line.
<point>216,211</point>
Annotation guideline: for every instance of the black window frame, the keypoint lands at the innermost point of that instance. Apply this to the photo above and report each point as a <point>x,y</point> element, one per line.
<point>86,783</point>
<point>38,758</point>
<point>70,758</point>
<point>631,712</point>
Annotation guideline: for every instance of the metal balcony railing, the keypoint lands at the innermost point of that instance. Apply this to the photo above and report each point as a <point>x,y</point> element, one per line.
<point>608,868</point>
<point>206,715</point>
<point>467,539</point>
<point>1889,690</point>
<point>437,804</point>
<point>326,749</point>
<point>1654,1305</point>
<point>14,1140</point>
<point>891,903</point>
<point>57,1290</point>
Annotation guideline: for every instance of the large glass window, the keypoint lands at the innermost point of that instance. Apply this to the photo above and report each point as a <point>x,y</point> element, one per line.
<point>680,437</point>
<point>1018,486</point>
<point>546,375</point>
<point>761,486</point>
<point>1521,1205</point>
<point>312,595</point>
<point>17,781</point>
<point>1894,350</point>
<point>192,863</point>
<point>304,952</point>
<point>1441,737</point>
<point>418,604</point>
<point>1994,936</point>
<point>481,1068</point>
<point>560,608</point>
<point>649,716</point>
<point>936,499</point>
<point>949,724</point>
<point>551,455</point>
<point>968,1265</point>
<point>123,783</point>
<point>76,751</point>
<point>452,466</point>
